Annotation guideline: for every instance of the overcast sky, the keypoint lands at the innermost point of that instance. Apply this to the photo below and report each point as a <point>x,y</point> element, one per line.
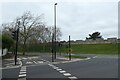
<point>74,17</point>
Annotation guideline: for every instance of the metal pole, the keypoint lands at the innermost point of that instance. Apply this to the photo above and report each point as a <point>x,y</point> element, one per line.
<point>69,49</point>
<point>55,26</point>
<point>52,47</point>
<point>17,35</point>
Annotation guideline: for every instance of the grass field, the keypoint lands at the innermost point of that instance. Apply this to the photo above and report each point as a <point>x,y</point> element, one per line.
<point>94,48</point>
<point>77,48</point>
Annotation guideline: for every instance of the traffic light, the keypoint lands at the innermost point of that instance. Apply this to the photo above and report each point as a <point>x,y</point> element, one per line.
<point>14,35</point>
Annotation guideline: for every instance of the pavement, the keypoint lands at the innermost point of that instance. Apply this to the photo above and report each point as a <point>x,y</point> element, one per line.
<point>10,63</point>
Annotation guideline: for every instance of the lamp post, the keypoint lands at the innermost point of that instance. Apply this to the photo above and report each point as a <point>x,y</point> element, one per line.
<point>52,47</point>
<point>55,26</point>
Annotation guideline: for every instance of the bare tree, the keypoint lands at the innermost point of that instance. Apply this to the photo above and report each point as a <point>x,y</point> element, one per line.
<point>28,27</point>
<point>50,31</point>
<point>32,29</point>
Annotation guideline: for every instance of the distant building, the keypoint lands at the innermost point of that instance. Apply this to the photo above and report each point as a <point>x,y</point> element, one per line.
<point>112,40</point>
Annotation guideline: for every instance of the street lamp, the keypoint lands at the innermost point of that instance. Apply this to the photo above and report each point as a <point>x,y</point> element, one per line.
<point>55,26</point>
<point>52,47</point>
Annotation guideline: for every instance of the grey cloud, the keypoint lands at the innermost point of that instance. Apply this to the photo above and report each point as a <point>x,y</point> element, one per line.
<point>75,19</point>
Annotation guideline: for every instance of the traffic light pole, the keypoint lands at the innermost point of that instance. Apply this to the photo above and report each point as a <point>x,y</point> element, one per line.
<point>69,49</point>
<point>17,35</point>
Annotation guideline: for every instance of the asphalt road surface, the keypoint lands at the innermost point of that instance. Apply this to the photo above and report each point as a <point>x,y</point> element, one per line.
<point>96,67</point>
<point>93,68</point>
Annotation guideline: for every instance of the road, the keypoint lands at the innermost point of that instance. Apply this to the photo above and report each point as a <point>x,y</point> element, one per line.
<point>96,67</point>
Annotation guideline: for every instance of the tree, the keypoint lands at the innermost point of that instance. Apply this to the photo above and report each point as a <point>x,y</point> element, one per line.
<point>7,42</point>
<point>32,30</point>
<point>28,27</point>
<point>49,33</point>
<point>94,36</point>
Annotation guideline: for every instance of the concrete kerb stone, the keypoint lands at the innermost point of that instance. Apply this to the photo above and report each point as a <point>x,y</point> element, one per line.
<point>72,60</point>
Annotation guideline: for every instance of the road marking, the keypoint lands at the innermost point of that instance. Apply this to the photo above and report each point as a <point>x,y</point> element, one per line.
<point>66,74</point>
<point>50,65</point>
<point>22,70</point>
<point>35,62</point>
<point>59,69</point>
<point>22,73</point>
<point>29,62</point>
<point>32,57</point>
<point>24,58</point>
<point>62,71</point>
<point>40,61</point>
<point>94,56</point>
<point>55,67</point>
<point>73,77</point>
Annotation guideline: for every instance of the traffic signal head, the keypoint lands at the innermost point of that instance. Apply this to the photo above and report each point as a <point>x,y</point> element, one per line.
<point>14,35</point>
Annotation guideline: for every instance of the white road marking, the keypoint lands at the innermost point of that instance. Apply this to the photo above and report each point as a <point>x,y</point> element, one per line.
<point>29,57</point>
<point>35,62</point>
<point>94,56</point>
<point>34,57</point>
<point>23,75</point>
<point>50,65</point>
<point>66,74</point>
<point>73,77</point>
<point>62,71</point>
<point>23,68</point>
<point>24,58</point>
<point>40,61</point>
<point>22,72</point>
<point>59,69</point>
<point>29,62</point>
<point>55,67</point>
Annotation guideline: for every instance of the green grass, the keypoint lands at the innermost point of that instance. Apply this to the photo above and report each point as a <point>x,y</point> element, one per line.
<point>76,48</point>
<point>94,48</point>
